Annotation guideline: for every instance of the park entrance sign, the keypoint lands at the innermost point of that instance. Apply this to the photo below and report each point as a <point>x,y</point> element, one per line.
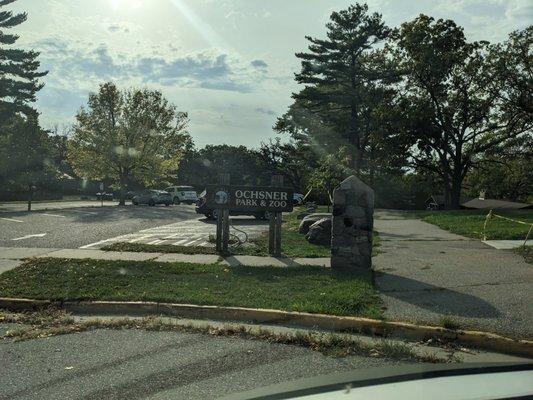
<point>273,199</point>
<point>250,198</point>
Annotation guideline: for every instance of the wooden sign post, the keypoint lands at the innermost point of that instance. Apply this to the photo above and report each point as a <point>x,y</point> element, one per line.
<point>222,239</point>
<point>274,200</point>
<point>274,231</point>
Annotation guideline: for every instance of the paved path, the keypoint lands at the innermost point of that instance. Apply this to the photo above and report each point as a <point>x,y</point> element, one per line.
<point>11,257</point>
<point>21,206</point>
<point>426,273</point>
<point>133,364</point>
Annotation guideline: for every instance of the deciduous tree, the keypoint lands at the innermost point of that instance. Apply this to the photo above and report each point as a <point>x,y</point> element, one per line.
<point>128,136</point>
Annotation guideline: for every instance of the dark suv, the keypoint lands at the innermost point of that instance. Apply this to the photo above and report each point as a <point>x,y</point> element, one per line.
<point>211,213</point>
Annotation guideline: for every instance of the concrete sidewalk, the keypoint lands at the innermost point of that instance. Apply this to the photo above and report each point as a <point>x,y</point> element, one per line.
<point>426,274</point>
<point>11,257</point>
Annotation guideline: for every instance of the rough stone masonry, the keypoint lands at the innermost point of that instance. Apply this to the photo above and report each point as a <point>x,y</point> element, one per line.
<point>353,222</point>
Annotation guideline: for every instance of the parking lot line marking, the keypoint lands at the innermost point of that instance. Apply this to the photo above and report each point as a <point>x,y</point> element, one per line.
<point>157,241</point>
<point>11,219</point>
<point>53,215</point>
<point>30,236</point>
<point>140,238</point>
<point>88,246</point>
<point>83,212</point>
<point>180,242</point>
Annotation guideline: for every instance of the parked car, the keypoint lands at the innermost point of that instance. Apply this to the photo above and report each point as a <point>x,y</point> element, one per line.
<point>153,197</point>
<point>182,194</point>
<point>211,213</point>
<point>104,196</point>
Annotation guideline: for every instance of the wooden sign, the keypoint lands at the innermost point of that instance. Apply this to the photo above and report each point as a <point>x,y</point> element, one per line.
<point>250,198</point>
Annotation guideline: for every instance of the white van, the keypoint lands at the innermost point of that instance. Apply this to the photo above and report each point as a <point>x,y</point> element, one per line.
<point>182,194</point>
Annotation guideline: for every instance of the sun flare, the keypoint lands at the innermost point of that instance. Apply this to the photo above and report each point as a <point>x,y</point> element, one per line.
<point>125,4</point>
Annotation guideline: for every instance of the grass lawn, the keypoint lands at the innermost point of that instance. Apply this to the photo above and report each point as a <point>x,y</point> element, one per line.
<point>310,289</point>
<point>470,222</point>
<point>293,244</point>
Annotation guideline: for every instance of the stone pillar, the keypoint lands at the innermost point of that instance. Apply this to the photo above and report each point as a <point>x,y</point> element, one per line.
<point>352,225</point>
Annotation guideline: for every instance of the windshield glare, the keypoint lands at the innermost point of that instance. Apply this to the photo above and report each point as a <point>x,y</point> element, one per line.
<point>204,198</point>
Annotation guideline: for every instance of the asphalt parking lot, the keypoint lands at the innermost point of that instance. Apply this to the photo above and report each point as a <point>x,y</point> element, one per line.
<point>69,225</point>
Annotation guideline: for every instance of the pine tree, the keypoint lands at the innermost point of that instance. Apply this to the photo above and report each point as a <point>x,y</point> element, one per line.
<point>18,69</point>
<point>342,75</point>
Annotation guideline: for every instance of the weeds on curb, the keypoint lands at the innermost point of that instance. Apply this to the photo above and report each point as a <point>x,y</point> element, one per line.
<point>42,324</point>
<point>449,323</point>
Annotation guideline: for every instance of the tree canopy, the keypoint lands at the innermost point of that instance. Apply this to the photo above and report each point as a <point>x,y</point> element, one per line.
<point>19,75</point>
<point>128,136</point>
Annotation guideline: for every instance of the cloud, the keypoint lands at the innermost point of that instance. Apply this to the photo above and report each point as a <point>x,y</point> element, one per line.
<point>259,64</point>
<point>79,66</point>
<point>113,28</point>
<point>203,70</point>
<point>265,111</point>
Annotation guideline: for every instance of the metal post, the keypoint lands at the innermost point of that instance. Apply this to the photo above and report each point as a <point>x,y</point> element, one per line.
<point>274,237</point>
<point>222,238</point>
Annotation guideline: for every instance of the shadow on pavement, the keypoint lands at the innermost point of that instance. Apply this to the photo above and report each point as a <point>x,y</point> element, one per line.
<point>434,298</point>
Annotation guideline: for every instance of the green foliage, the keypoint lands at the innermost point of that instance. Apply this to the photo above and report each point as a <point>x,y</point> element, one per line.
<point>134,136</point>
<point>26,161</point>
<point>200,167</point>
<point>295,160</point>
<point>452,114</point>
<point>306,288</point>
<point>329,174</point>
<point>470,223</point>
<point>346,88</point>
<point>18,69</point>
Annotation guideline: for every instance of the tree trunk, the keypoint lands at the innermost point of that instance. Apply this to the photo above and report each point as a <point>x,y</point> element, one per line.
<point>122,197</point>
<point>455,194</point>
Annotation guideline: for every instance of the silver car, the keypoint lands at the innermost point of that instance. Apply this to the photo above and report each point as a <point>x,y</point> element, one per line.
<point>153,197</point>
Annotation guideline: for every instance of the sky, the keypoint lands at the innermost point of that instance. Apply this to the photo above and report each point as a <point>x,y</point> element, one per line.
<point>229,63</point>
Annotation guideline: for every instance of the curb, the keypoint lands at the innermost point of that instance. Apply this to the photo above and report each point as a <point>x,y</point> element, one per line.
<point>478,339</point>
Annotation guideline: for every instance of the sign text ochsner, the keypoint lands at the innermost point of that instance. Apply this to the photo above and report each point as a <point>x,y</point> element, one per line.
<point>250,198</point>
<point>261,198</point>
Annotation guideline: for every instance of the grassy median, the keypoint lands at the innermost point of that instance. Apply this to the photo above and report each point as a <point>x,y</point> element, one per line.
<point>306,288</point>
<point>470,222</point>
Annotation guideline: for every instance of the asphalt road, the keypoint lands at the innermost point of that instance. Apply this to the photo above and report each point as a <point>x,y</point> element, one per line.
<point>133,364</point>
<point>70,225</point>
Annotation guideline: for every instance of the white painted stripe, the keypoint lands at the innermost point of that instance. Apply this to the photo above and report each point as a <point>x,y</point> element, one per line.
<point>53,215</point>
<point>140,238</point>
<point>30,236</point>
<point>180,242</point>
<point>157,241</point>
<point>83,212</point>
<point>88,246</point>
<point>11,219</point>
